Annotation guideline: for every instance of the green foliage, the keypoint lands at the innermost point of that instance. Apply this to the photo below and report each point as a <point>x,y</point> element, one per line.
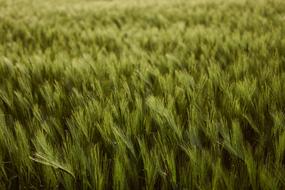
<point>142,95</point>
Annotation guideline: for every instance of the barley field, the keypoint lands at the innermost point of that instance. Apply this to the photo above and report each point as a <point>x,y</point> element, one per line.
<point>133,94</point>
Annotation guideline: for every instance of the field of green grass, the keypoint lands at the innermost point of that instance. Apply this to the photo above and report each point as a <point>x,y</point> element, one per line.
<point>122,94</point>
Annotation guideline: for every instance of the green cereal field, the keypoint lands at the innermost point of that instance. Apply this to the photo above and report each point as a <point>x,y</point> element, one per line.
<point>142,94</point>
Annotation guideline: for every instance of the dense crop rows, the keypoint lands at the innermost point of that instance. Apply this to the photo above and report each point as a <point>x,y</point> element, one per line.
<point>101,95</point>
